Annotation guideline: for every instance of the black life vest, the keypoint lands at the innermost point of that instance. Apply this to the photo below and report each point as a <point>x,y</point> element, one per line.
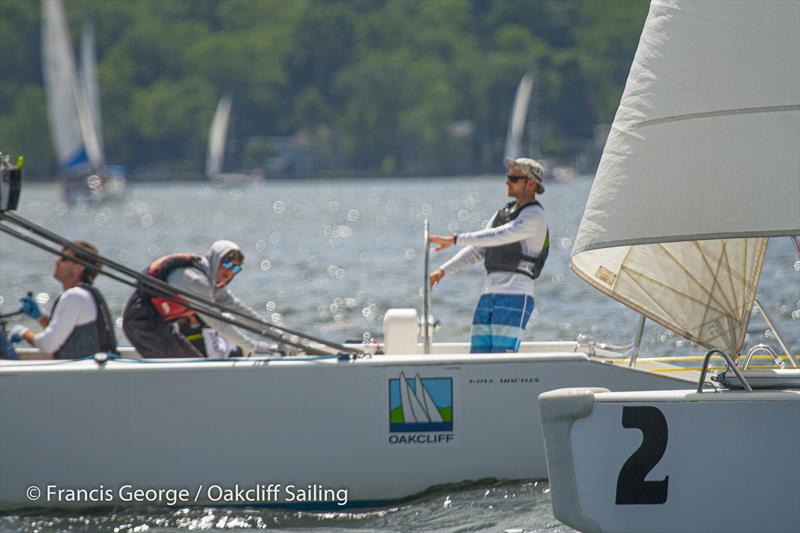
<point>160,269</point>
<point>509,257</point>
<point>88,339</point>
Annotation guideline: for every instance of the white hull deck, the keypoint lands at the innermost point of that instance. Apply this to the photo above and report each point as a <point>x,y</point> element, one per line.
<point>674,461</point>
<point>300,422</point>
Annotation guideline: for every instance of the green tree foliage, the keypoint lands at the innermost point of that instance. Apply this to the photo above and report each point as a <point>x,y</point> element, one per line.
<point>380,86</point>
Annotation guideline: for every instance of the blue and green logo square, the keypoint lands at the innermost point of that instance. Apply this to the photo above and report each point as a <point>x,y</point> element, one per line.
<point>420,404</point>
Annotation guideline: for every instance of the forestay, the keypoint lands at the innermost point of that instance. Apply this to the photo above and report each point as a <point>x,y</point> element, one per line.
<point>701,165</point>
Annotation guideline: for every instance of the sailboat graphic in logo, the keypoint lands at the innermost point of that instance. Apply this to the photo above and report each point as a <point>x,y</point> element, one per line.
<point>420,404</point>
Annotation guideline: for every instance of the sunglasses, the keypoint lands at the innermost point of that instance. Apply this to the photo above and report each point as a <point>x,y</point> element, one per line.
<point>233,267</point>
<point>514,179</point>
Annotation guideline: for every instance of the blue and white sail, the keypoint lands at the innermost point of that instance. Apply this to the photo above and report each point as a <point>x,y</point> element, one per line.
<point>89,82</point>
<point>71,126</point>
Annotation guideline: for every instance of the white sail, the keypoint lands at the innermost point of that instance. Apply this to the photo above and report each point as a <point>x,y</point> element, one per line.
<point>89,83</point>
<point>217,137</point>
<point>59,77</point>
<point>68,111</point>
<point>427,402</point>
<point>519,114</point>
<point>702,163</point>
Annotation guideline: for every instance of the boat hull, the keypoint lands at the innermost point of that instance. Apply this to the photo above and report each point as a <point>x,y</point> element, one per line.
<point>674,461</point>
<point>292,422</point>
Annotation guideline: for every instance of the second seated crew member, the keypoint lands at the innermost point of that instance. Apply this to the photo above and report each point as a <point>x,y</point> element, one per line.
<point>149,320</point>
<point>513,247</point>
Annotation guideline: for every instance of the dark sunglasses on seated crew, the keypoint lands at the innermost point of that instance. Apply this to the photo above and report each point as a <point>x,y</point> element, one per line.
<point>233,267</point>
<point>514,179</point>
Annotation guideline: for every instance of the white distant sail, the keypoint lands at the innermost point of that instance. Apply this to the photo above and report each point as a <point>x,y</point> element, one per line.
<point>89,82</point>
<point>68,111</point>
<point>217,137</point>
<point>427,402</point>
<point>700,165</point>
<point>519,114</point>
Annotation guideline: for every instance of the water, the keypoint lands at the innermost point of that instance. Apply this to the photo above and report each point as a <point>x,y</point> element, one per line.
<point>330,257</point>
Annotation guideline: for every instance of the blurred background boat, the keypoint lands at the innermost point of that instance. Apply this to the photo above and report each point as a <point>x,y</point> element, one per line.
<point>217,139</point>
<point>73,109</point>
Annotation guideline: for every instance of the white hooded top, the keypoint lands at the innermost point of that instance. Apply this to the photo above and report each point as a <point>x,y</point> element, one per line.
<point>202,283</point>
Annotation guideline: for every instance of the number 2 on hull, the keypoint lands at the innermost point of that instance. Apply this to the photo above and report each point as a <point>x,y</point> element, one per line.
<point>632,489</point>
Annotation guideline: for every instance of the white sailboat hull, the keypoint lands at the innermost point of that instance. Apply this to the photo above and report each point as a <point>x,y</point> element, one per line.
<point>295,421</point>
<point>674,460</point>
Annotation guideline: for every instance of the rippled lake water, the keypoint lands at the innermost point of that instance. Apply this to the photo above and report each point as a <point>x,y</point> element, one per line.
<point>330,257</point>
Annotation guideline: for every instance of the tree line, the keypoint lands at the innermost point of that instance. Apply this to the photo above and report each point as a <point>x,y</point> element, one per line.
<point>377,87</point>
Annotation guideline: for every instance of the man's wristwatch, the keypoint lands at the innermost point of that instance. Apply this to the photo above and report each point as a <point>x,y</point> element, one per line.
<point>455,238</point>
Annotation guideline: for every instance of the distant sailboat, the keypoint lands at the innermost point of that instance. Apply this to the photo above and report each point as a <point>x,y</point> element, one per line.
<point>74,112</point>
<point>89,83</point>
<point>518,118</point>
<point>517,123</point>
<point>217,139</point>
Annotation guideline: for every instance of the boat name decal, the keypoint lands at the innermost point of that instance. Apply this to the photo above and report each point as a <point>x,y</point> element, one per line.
<point>502,381</point>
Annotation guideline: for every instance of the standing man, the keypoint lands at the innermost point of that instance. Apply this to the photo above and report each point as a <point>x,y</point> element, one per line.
<point>80,323</point>
<point>513,247</point>
<point>150,320</point>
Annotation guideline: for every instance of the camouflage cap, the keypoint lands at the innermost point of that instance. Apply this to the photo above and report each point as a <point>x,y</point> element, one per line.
<point>529,168</point>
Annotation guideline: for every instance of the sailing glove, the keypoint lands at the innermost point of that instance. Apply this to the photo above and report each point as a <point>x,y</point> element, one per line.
<point>17,332</point>
<point>30,307</point>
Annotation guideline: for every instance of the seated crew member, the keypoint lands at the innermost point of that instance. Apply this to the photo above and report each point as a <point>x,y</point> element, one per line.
<point>149,320</point>
<point>80,323</point>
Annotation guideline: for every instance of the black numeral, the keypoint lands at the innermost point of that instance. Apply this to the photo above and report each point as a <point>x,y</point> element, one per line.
<point>632,489</point>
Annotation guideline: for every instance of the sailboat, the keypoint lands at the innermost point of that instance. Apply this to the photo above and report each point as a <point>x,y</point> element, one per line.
<point>349,417</point>
<point>519,120</point>
<point>217,139</point>
<point>701,167</point>
<point>346,421</point>
<point>74,112</point>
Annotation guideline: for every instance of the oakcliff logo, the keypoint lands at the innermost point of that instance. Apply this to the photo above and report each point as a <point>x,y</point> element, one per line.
<point>420,410</point>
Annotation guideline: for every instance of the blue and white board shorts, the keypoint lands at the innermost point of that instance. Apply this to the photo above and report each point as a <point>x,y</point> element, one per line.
<point>499,321</point>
